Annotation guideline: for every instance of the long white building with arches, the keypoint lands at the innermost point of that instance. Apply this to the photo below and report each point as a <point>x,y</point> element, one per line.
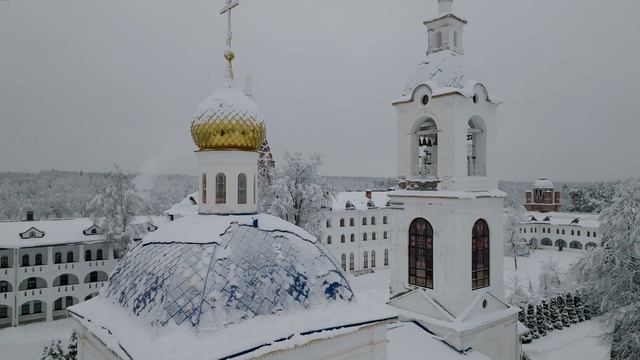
<point>560,231</point>
<point>47,266</point>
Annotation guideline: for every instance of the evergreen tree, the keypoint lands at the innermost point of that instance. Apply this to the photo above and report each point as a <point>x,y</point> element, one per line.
<point>541,321</point>
<point>555,314</point>
<point>571,310</point>
<point>72,348</point>
<point>521,315</point>
<point>54,351</point>
<point>547,315</point>
<point>564,314</point>
<point>587,311</point>
<point>579,306</point>
<point>527,338</point>
<point>532,322</point>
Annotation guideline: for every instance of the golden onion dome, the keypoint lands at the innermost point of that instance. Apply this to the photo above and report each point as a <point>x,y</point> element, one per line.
<point>228,120</point>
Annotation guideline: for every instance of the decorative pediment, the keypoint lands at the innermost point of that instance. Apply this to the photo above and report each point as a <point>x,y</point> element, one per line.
<point>32,233</point>
<point>371,204</point>
<point>93,230</point>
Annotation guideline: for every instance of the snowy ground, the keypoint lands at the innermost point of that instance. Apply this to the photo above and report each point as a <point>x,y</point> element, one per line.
<point>26,342</point>
<point>529,267</point>
<point>577,342</point>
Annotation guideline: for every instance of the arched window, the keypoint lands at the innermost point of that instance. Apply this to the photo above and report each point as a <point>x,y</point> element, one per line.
<point>342,238</point>
<point>364,236</point>
<point>364,221</point>
<point>221,189</point>
<point>351,261</point>
<point>4,287</point>
<point>365,260</point>
<point>373,220</point>
<point>385,235</point>
<point>438,40</point>
<point>57,258</point>
<point>99,254</point>
<point>25,260</point>
<point>353,238</point>
<point>386,257</point>
<point>4,262</point>
<point>38,259</point>
<point>242,189</point>
<point>344,262</point>
<point>32,283</point>
<point>204,188</point>
<point>70,257</point>
<point>352,222</point>
<point>328,223</point>
<point>341,222</point>
<point>373,235</point>
<point>87,255</point>
<point>64,280</point>
<point>373,258</point>
<point>561,244</point>
<point>547,242</point>
<point>575,245</point>
<point>590,246</point>
<point>329,240</point>
<point>480,259</point>
<point>424,153</point>
<point>421,253</point>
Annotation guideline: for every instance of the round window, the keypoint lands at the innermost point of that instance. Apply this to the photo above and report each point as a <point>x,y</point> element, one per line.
<point>425,100</point>
<point>484,304</point>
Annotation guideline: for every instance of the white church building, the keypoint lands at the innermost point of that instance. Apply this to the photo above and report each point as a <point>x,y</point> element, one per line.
<point>223,281</point>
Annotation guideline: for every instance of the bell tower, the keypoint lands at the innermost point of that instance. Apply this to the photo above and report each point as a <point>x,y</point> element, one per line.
<point>448,272</point>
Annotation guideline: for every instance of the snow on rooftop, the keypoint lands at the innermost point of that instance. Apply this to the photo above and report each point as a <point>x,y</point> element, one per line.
<point>187,206</point>
<point>562,218</point>
<point>359,200</point>
<point>55,232</point>
<point>543,184</point>
<point>443,72</point>
<point>408,341</point>
<point>218,285</point>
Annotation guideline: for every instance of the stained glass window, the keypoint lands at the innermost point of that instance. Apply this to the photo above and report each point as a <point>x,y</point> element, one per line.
<point>421,253</point>
<point>242,189</point>
<point>221,189</point>
<point>480,255</point>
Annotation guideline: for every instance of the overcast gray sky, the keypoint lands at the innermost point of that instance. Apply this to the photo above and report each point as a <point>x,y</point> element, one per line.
<point>85,84</point>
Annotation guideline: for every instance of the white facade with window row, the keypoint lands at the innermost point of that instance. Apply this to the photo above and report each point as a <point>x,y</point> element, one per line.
<point>47,266</point>
<point>357,230</point>
<point>561,231</point>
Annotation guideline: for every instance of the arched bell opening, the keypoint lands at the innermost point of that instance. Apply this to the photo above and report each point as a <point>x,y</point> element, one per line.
<point>476,147</point>
<point>425,149</point>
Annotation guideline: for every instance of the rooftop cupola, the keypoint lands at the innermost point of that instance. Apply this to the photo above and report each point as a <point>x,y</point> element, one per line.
<point>445,31</point>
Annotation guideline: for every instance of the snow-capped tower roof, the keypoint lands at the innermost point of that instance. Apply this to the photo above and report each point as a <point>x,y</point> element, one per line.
<point>228,119</point>
<point>543,184</point>
<point>445,70</point>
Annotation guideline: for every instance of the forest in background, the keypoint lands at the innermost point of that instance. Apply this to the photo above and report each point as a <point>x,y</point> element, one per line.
<point>66,194</point>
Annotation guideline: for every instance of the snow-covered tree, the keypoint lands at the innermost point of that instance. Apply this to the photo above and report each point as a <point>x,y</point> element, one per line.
<point>531,322</point>
<point>266,175</point>
<point>518,296</point>
<point>579,306</point>
<point>54,351</point>
<point>114,210</point>
<point>72,348</point>
<point>610,274</point>
<point>554,317</point>
<point>547,315</point>
<point>591,198</point>
<point>300,193</point>
<point>571,310</point>
<point>552,279</point>
<point>541,321</point>
<point>512,238</point>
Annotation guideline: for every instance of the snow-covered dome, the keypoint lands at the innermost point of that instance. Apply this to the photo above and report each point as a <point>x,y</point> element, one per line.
<point>228,119</point>
<point>207,272</point>
<point>444,72</point>
<point>543,184</point>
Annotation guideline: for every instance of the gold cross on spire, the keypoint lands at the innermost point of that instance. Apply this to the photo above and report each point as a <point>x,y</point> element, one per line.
<point>229,55</point>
